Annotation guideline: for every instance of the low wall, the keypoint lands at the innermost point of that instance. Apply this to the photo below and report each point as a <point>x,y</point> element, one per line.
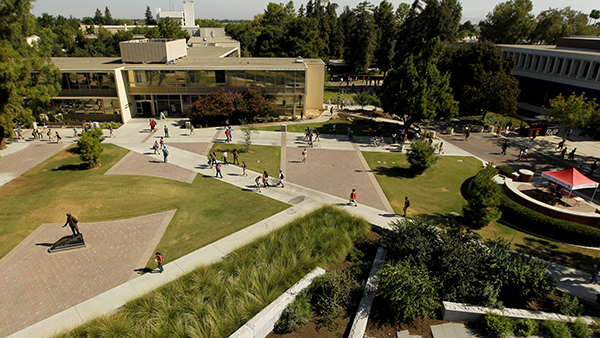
<point>512,191</point>
<point>460,312</point>
<point>263,323</point>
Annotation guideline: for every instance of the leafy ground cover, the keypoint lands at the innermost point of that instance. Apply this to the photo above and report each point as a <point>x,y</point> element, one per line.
<point>262,157</point>
<point>45,193</point>
<point>213,301</point>
<point>436,192</point>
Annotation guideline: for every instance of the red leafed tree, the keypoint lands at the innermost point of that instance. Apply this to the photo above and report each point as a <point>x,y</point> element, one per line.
<point>215,108</point>
<point>257,104</point>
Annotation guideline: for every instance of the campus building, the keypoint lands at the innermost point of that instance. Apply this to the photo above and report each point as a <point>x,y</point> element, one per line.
<point>154,76</point>
<point>544,71</point>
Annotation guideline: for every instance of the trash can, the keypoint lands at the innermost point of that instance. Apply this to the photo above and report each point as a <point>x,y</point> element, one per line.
<point>431,134</point>
<point>95,125</point>
<point>284,127</point>
<point>188,124</point>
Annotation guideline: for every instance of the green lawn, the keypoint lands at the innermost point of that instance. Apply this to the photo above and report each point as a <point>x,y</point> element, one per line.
<point>262,157</point>
<point>569,255</point>
<point>360,127</point>
<point>437,192</point>
<point>207,209</point>
<point>332,92</point>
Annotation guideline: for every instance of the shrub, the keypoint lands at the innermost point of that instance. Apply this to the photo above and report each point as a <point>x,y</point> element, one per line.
<point>555,329</point>
<point>330,296</point>
<point>569,306</point>
<point>294,316</point>
<point>106,125</point>
<point>525,327</point>
<point>355,255</point>
<point>421,156</point>
<point>536,222</point>
<point>90,148</point>
<point>483,200</point>
<point>504,170</point>
<point>497,326</point>
<point>579,328</point>
<point>408,290</point>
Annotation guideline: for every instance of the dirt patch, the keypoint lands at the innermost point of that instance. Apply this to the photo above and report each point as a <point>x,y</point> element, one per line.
<point>313,329</point>
<point>420,327</point>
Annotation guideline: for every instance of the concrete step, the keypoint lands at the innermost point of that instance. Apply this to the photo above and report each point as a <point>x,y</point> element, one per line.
<point>405,334</point>
<point>449,330</point>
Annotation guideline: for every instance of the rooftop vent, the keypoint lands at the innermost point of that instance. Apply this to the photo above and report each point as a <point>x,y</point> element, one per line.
<point>299,59</point>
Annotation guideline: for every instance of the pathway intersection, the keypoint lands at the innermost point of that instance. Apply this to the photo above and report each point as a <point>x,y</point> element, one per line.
<point>334,167</point>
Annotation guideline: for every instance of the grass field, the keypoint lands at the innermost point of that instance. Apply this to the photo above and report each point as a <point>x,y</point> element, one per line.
<point>215,300</point>
<point>262,157</point>
<point>360,127</point>
<point>437,192</point>
<point>332,92</point>
<point>207,209</point>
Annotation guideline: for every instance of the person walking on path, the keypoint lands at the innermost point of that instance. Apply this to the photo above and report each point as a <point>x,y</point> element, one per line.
<point>281,176</point>
<point>156,148</point>
<point>563,153</point>
<point>441,148</point>
<point>225,158</point>
<point>166,131</point>
<point>159,259</point>
<point>49,133</point>
<point>74,131</point>
<point>572,155</point>
<point>406,205</point>
<point>58,138</point>
<point>467,134</point>
<point>257,181</point>
<point>520,155</point>
<point>593,167</point>
<point>525,152</point>
<point>317,134</point>
<point>219,170</point>
<point>504,147</point>
<point>595,275</point>
<point>353,198</point>
<point>166,154</point>
<point>111,134</point>
<point>244,169</point>
<point>265,179</point>
<point>236,157</point>
<point>214,159</point>
<point>304,155</point>
<point>210,161</point>
<point>192,129</point>
<point>561,144</point>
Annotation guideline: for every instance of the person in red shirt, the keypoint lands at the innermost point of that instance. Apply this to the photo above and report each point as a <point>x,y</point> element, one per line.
<point>353,198</point>
<point>159,259</point>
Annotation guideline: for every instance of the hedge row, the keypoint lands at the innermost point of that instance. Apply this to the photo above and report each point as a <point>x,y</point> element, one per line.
<point>565,231</point>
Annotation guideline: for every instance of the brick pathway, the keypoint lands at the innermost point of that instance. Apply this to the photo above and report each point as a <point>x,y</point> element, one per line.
<point>37,284</point>
<point>335,172</point>
<point>200,148</point>
<point>150,165</point>
<point>15,164</point>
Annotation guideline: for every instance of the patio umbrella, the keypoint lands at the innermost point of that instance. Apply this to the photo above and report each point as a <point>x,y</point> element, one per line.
<point>571,179</point>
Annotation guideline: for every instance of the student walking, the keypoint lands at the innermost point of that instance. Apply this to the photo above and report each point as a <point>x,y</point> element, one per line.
<point>49,134</point>
<point>244,169</point>
<point>406,205</point>
<point>572,155</point>
<point>353,198</point>
<point>265,179</point>
<point>561,144</point>
<point>159,259</point>
<point>210,162</point>
<point>304,155</point>
<point>111,134</point>
<point>563,153</point>
<point>166,131</point>
<point>192,130</point>
<point>236,157</point>
<point>219,170</point>
<point>257,181</point>
<point>281,176</point>
<point>441,148</point>
<point>595,275</point>
<point>225,158</point>
<point>166,154</point>
<point>156,148</point>
<point>58,138</point>
<point>593,167</point>
<point>162,143</point>
<point>504,147</point>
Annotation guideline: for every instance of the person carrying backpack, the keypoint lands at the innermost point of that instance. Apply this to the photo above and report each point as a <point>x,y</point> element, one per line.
<point>159,259</point>
<point>281,176</point>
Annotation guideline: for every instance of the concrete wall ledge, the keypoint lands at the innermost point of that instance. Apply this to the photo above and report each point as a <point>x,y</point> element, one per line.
<point>263,323</point>
<point>461,312</point>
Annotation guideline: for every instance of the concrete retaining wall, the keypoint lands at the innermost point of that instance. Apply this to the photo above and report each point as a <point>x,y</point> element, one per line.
<point>263,323</point>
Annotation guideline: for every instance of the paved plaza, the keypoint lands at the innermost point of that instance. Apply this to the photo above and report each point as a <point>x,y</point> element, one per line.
<point>83,284</point>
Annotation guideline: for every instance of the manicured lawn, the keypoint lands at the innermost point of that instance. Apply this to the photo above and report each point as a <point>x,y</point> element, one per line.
<point>437,192</point>
<point>215,300</point>
<point>262,157</point>
<point>569,255</point>
<point>332,92</point>
<point>360,127</point>
<point>207,209</point>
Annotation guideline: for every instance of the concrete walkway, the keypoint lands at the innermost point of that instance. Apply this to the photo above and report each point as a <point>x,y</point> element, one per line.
<point>304,192</point>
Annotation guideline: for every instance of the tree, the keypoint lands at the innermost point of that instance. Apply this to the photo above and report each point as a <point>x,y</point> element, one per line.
<point>554,23</point>
<point>149,18</point>
<point>421,156</point>
<point>90,148</point>
<point>483,200</point>
<point>408,290</point>
<point>510,22</point>
<point>366,99</point>
<point>417,89</point>
<point>170,29</point>
<point>595,14</point>
<point>574,111</point>
<point>359,34</point>
<point>207,23</point>
<point>467,29</point>
<point>255,104</point>
<point>29,78</point>
<point>592,126</point>
<point>108,19</point>
<point>385,22</point>
<point>303,38</point>
<point>481,80</point>
<point>98,18</point>
<point>248,130</point>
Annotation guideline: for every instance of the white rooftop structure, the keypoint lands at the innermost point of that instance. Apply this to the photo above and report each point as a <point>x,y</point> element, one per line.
<point>185,17</point>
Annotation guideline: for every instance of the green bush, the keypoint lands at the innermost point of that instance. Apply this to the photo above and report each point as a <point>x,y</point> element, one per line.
<point>579,328</point>
<point>408,290</point>
<point>89,147</point>
<point>504,170</point>
<point>483,200</point>
<point>497,326</point>
<point>421,156</point>
<point>330,296</point>
<point>530,220</point>
<point>555,329</point>
<point>355,255</point>
<point>294,316</point>
<point>106,125</point>
<point>525,327</point>
<point>569,306</point>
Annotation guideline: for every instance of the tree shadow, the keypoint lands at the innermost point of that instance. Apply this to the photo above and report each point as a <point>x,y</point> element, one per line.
<point>71,167</point>
<point>73,150</point>
<point>447,220</point>
<point>464,187</point>
<point>395,172</point>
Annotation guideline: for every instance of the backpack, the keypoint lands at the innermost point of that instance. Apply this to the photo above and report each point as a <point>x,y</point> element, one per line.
<point>282,176</point>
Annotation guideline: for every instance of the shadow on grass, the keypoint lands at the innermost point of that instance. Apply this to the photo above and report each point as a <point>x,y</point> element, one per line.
<point>445,220</point>
<point>547,250</point>
<point>71,167</point>
<point>395,172</point>
<point>73,150</point>
<point>464,187</point>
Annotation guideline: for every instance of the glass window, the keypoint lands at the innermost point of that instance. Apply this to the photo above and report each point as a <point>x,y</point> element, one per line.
<point>270,79</point>
<point>211,79</point>
<point>65,81</point>
<point>220,77</point>
<point>73,81</point>
<point>586,69</point>
<point>300,79</point>
<point>83,80</point>
<point>180,78</point>
<point>280,79</point>
<point>140,77</point>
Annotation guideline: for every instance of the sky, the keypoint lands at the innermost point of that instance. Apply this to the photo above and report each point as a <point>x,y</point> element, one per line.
<point>473,10</point>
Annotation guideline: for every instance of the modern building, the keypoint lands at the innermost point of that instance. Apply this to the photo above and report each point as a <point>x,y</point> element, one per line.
<point>156,76</point>
<point>544,71</point>
<point>185,17</point>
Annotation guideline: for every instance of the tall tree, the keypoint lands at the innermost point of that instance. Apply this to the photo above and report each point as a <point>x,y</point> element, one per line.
<point>574,111</point>
<point>149,18</point>
<point>417,89</point>
<point>481,80</point>
<point>385,21</point>
<point>510,22</point>
<point>171,29</point>
<point>108,19</point>
<point>359,33</point>
<point>98,18</point>
<point>29,77</point>
<point>554,23</point>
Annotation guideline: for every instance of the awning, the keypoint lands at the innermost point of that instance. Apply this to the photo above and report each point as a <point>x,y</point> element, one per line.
<point>571,179</point>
